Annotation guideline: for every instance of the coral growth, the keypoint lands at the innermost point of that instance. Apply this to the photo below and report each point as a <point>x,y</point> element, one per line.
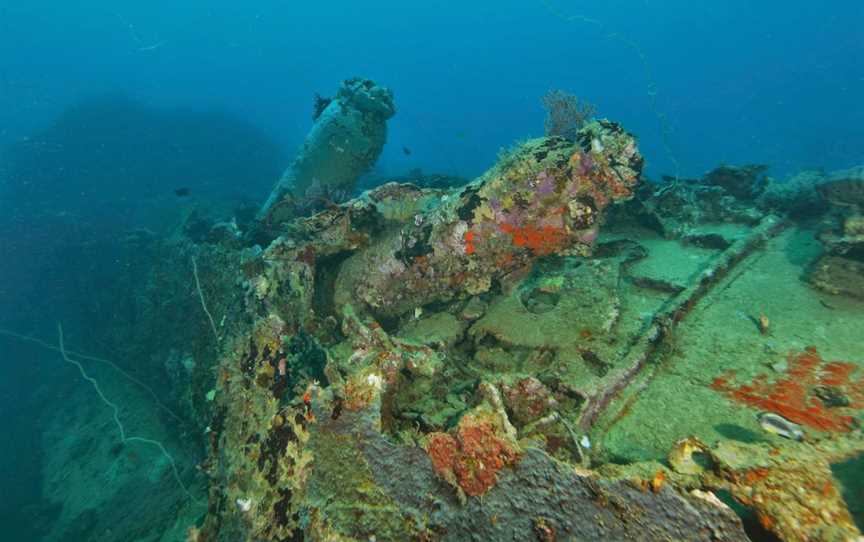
<point>548,208</point>
<point>792,492</point>
<point>542,241</point>
<point>565,113</point>
<point>528,399</point>
<point>473,458</point>
<point>545,197</point>
<point>813,392</point>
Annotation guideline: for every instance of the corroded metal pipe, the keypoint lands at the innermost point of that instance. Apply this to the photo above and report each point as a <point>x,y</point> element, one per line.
<point>348,135</point>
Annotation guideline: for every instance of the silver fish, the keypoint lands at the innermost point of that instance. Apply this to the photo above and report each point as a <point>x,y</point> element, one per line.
<point>773,423</point>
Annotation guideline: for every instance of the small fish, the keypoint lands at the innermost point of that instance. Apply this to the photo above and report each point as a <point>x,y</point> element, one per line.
<point>764,324</point>
<point>182,192</point>
<point>151,47</point>
<point>773,423</point>
<point>406,151</point>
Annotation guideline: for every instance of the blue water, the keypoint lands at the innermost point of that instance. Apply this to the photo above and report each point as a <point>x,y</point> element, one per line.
<point>738,81</point>
<point>229,87</point>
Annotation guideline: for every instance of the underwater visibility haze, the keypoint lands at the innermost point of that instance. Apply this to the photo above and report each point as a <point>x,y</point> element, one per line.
<point>514,270</point>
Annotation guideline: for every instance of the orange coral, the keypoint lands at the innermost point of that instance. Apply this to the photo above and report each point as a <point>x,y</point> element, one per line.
<point>443,450</point>
<point>542,241</point>
<point>796,396</point>
<point>472,459</point>
<point>469,242</point>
